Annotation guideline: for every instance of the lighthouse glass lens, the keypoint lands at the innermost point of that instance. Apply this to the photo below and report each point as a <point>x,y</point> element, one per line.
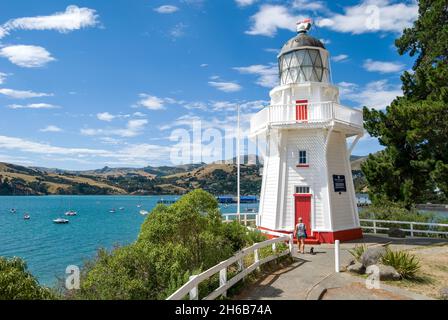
<point>302,66</point>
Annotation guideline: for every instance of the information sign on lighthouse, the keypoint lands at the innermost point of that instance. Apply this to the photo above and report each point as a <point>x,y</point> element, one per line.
<point>307,172</point>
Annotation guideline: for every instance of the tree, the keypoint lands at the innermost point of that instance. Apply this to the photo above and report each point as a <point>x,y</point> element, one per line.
<point>174,242</point>
<point>414,165</point>
<point>16,283</point>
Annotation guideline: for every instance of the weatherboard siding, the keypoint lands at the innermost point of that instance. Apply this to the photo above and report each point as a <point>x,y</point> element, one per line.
<point>341,204</point>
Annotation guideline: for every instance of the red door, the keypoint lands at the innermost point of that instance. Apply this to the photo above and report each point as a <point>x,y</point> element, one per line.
<point>303,210</point>
<point>302,110</point>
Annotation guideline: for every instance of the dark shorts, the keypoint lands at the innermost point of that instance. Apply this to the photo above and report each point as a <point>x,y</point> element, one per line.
<point>301,236</point>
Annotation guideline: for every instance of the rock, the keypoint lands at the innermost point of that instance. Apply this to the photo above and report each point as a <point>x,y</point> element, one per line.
<point>384,272</point>
<point>444,293</point>
<point>388,273</point>
<point>372,256</point>
<point>357,267</point>
<point>396,233</point>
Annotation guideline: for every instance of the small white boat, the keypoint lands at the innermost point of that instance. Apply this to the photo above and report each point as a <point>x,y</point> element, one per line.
<point>13,210</point>
<point>60,221</point>
<point>250,210</point>
<point>112,210</point>
<point>71,213</point>
<point>26,217</point>
<point>121,208</point>
<point>139,206</point>
<point>144,212</point>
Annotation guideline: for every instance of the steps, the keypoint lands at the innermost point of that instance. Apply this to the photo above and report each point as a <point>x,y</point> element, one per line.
<point>312,241</point>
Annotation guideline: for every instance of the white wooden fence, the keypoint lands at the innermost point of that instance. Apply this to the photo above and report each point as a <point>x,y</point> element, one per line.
<point>411,226</point>
<point>191,287</point>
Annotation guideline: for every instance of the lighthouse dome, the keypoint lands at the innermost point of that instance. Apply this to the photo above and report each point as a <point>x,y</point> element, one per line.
<point>303,59</point>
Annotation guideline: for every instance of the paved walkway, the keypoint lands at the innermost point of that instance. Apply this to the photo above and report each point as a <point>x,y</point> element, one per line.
<point>312,277</point>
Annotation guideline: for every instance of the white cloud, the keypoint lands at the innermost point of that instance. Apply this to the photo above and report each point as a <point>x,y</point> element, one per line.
<point>133,128</point>
<point>151,102</point>
<point>383,66</point>
<point>308,5</point>
<point>267,75</point>
<point>51,128</point>
<point>26,56</point>
<point>73,18</point>
<point>376,94</point>
<point>133,154</point>
<point>340,57</point>
<point>225,86</point>
<point>372,16</point>
<point>22,94</point>
<point>33,106</point>
<point>204,65</point>
<point>166,9</point>
<point>245,3</point>
<point>13,143</point>
<point>178,30</point>
<point>105,116</point>
<point>270,18</point>
<point>3,77</point>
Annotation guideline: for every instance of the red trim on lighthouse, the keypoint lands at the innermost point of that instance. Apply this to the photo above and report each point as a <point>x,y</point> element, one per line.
<point>324,237</point>
<point>342,235</point>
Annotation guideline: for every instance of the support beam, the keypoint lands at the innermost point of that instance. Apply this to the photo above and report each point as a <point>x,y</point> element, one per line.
<point>354,143</point>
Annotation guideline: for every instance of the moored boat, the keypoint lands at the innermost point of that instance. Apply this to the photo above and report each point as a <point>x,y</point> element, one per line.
<point>71,213</point>
<point>26,217</point>
<point>61,221</point>
<point>144,212</point>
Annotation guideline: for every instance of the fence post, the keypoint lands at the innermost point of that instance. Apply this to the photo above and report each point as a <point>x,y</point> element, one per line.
<point>256,258</point>
<point>412,229</point>
<point>274,247</point>
<point>336,255</point>
<point>374,226</point>
<point>194,292</point>
<point>223,280</point>
<point>291,243</point>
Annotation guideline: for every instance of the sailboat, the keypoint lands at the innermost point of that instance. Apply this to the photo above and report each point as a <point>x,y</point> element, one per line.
<point>70,213</point>
<point>144,212</point>
<point>26,216</point>
<point>61,221</point>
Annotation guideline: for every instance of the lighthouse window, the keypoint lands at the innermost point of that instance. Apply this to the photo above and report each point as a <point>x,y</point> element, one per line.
<point>302,66</point>
<point>303,159</point>
<point>302,190</point>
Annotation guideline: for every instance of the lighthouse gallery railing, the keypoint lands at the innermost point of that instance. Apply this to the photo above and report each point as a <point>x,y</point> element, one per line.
<point>307,113</point>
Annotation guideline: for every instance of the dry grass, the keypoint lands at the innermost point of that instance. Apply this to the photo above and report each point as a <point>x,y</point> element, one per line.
<point>433,274</point>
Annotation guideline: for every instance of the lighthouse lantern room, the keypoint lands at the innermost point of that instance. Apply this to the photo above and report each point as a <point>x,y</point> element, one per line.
<point>307,131</point>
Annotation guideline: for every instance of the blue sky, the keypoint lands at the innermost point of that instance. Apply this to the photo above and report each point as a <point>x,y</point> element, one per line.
<point>84,84</point>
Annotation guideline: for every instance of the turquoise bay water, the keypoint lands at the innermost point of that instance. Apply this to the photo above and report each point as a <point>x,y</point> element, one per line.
<point>49,248</point>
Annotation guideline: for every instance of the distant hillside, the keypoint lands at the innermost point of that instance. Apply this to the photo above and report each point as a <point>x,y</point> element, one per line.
<point>356,162</point>
<point>217,178</point>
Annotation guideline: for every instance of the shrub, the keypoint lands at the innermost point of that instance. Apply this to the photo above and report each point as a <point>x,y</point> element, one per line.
<point>405,263</point>
<point>357,251</point>
<point>174,242</point>
<point>17,283</point>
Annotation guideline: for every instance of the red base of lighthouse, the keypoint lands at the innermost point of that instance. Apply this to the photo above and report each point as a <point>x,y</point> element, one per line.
<point>324,237</point>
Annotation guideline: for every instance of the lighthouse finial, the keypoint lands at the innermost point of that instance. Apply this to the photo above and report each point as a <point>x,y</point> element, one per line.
<point>303,26</point>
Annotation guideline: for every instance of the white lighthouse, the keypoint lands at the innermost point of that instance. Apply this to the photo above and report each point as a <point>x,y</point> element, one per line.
<point>307,169</point>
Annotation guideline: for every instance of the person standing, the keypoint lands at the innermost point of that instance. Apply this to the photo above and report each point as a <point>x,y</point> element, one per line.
<point>300,233</point>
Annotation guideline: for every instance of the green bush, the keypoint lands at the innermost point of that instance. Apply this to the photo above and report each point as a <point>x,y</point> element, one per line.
<point>397,212</point>
<point>16,283</point>
<point>175,242</point>
<point>357,251</point>
<point>405,263</point>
